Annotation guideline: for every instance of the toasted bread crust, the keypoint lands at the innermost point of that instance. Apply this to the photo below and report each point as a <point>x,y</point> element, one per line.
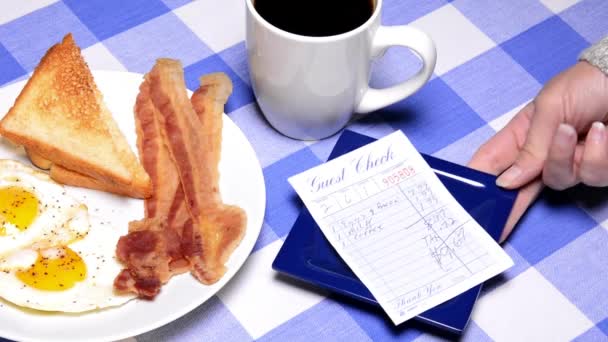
<point>62,175</point>
<point>68,177</point>
<point>38,160</point>
<point>61,117</point>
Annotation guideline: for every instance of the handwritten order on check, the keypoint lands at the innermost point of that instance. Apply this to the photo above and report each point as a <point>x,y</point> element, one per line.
<point>398,228</point>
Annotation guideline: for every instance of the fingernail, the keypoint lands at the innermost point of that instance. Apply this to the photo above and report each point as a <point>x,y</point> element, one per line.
<point>565,133</point>
<point>597,132</point>
<point>509,176</point>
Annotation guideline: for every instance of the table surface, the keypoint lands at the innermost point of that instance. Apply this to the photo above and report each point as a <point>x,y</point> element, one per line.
<point>493,57</point>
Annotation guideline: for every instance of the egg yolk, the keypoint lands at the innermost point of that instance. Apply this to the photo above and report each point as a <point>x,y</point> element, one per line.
<point>55,274</point>
<point>18,207</point>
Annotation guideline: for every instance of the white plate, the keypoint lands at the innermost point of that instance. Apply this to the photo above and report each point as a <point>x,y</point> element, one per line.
<point>241,183</point>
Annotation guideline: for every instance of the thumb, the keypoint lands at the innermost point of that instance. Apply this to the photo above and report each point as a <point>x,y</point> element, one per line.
<point>527,166</point>
<point>532,156</point>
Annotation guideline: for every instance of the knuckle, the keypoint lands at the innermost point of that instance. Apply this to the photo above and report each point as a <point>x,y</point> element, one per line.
<point>529,156</point>
<point>553,100</point>
<point>490,155</point>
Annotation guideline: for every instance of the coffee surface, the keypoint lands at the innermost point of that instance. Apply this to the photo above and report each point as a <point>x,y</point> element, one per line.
<point>315,18</point>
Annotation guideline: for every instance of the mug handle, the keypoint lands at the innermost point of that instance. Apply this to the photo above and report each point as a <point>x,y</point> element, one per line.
<point>412,38</point>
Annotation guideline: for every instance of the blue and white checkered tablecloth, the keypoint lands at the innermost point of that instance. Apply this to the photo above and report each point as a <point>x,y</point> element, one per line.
<point>494,56</point>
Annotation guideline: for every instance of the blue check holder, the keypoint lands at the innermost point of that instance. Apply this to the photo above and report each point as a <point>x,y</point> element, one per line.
<point>308,256</point>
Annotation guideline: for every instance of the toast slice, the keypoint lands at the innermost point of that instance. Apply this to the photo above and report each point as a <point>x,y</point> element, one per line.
<point>68,177</point>
<point>60,116</point>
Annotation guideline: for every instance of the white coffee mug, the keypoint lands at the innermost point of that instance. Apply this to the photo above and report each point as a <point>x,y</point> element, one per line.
<point>309,87</point>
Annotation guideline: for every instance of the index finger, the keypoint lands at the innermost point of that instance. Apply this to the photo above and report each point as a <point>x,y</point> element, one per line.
<point>531,159</point>
<point>501,151</point>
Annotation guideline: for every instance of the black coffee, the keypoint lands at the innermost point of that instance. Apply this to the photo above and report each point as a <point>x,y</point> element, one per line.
<point>316,18</point>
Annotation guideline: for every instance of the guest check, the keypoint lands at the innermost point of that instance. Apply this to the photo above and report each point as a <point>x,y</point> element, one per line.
<point>398,228</point>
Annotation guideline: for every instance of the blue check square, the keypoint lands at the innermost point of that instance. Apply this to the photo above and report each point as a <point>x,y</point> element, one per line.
<point>474,333</point>
<point>106,18</point>
<point>164,36</point>
<point>242,94</point>
<point>40,30</point>
<point>282,204</point>
<point>270,145</point>
<point>588,270</point>
<point>550,224</point>
<point>461,151</point>
<point>492,83</point>
<point>603,326</point>
<point>375,322</point>
<point>213,315</point>
<point>501,20</point>
<point>593,334</point>
<point>267,236</point>
<point>398,12</point>
<point>588,18</point>
<point>546,49</point>
<point>323,148</point>
<point>395,66</point>
<point>10,67</point>
<point>173,4</point>
<point>236,57</point>
<point>432,118</point>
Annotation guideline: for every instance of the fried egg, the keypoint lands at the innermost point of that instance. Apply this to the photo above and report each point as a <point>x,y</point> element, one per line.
<point>53,255</point>
<point>75,277</point>
<point>34,210</point>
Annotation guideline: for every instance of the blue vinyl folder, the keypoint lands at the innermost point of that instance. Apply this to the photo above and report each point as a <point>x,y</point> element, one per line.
<point>308,256</point>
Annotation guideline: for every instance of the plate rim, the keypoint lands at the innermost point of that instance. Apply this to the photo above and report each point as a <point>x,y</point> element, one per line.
<point>166,319</point>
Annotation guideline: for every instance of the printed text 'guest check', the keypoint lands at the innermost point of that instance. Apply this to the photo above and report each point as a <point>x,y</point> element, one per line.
<point>398,228</point>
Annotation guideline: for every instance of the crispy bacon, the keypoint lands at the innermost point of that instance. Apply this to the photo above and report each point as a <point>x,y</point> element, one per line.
<point>214,227</point>
<point>179,125</point>
<point>154,155</point>
<point>208,103</point>
<point>164,255</point>
<point>187,226</point>
<point>146,250</point>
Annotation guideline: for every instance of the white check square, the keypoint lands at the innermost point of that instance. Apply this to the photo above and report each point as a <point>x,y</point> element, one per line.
<point>218,24</point>
<point>98,57</point>
<point>558,6</point>
<point>20,8</point>
<point>260,301</point>
<point>501,121</point>
<point>529,308</point>
<point>457,39</point>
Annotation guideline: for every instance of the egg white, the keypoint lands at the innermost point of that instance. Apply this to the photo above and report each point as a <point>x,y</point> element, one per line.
<point>56,208</point>
<point>96,291</point>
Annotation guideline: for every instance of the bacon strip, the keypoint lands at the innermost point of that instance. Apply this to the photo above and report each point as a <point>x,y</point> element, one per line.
<point>179,122</point>
<point>146,251</point>
<point>187,226</point>
<point>203,239</point>
<point>208,103</point>
<point>152,248</point>
<point>154,154</point>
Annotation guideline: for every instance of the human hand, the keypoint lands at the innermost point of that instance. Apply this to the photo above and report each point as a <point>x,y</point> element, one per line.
<point>541,143</point>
